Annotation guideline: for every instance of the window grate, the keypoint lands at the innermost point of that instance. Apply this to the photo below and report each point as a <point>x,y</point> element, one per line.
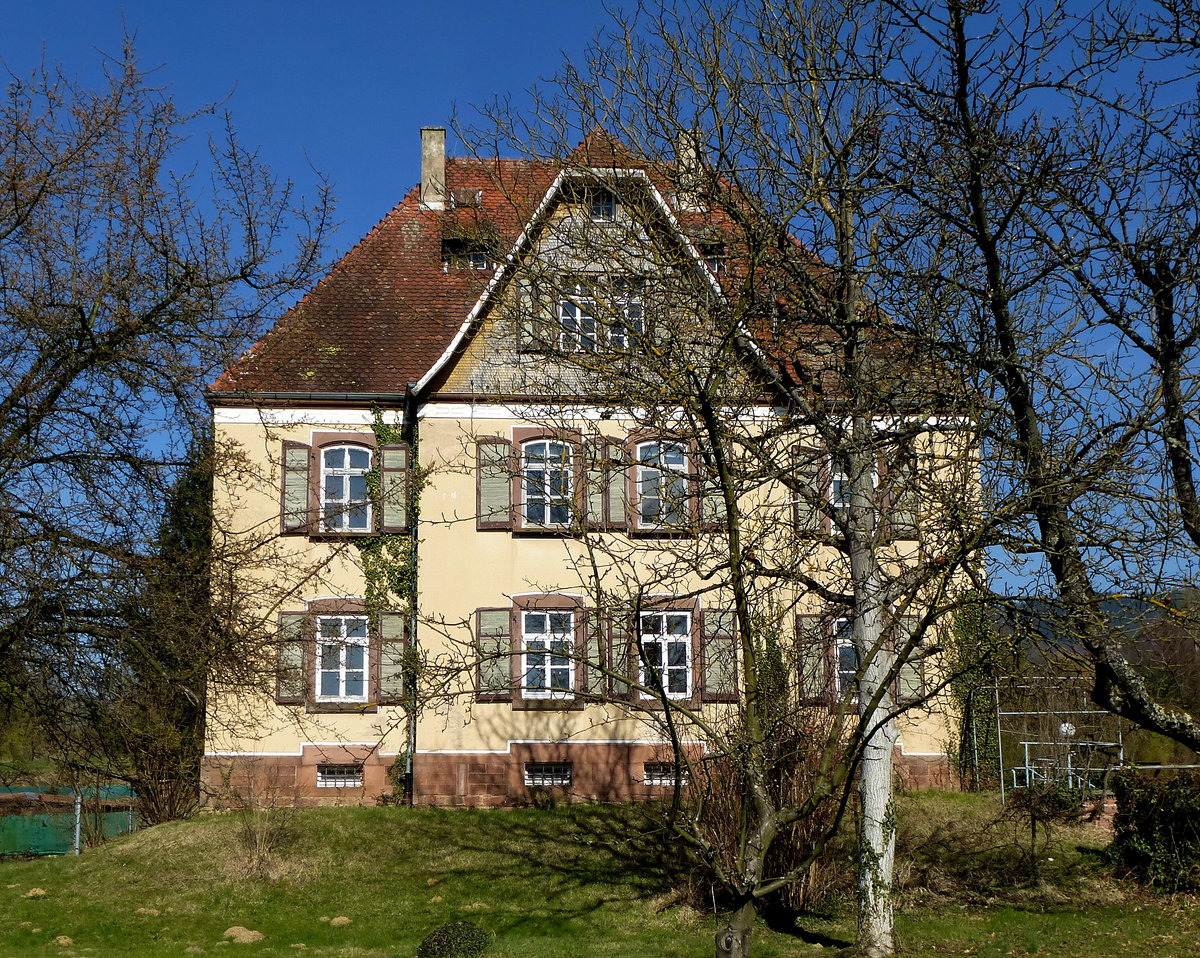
<point>662,774</point>
<point>547,773</point>
<point>339,776</point>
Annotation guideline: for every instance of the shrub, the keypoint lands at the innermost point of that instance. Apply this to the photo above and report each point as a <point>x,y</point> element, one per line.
<point>1157,829</point>
<point>456,939</point>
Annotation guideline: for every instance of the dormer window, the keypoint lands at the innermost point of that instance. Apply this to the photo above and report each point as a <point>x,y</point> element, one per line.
<point>465,253</point>
<point>713,255</point>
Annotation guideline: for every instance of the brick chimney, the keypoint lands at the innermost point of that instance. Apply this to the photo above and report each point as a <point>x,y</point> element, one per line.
<point>433,167</point>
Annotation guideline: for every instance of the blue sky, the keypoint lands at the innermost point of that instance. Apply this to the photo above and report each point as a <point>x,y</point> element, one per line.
<point>342,88</point>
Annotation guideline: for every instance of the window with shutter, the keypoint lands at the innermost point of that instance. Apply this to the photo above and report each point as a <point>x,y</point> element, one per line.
<point>494,647</point>
<point>616,496</point>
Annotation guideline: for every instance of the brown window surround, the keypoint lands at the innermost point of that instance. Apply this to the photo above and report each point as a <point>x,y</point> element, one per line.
<point>387,641</point>
<point>577,607</point>
<point>303,479</point>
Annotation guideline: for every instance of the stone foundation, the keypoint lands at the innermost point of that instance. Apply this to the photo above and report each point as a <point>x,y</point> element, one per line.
<point>599,771</point>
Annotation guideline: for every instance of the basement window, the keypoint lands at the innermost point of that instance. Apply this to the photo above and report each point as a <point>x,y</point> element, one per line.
<point>662,775</point>
<point>339,776</point>
<point>547,773</point>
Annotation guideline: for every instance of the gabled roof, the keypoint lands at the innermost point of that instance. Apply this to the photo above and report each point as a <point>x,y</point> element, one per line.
<point>389,310</point>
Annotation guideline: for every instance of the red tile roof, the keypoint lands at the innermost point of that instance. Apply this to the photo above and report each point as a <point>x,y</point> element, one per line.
<point>388,309</point>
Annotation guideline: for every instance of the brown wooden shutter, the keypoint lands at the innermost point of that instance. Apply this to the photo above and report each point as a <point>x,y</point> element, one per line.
<point>537,320</point>
<point>903,495</point>
<point>713,516</point>
<point>393,487</point>
<point>493,639</point>
<point>294,489</point>
<point>393,646</point>
<point>720,656</point>
<point>291,673</point>
<point>494,482</point>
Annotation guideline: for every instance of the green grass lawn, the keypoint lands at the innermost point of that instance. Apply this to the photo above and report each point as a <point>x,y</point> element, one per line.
<point>574,881</point>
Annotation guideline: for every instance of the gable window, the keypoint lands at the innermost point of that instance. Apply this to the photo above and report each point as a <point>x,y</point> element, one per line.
<point>666,653</point>
<point>342,659</point>
<point>547,663</point>
<point>546,482</point>
<point>661,484</point>
<point>602,204</point>
<point>345,505</point>
<point>713,255</point>
<point>600,313</point>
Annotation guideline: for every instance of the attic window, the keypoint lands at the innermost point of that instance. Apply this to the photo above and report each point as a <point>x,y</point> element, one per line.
<point>465,253</point>
<point>713,255</point>
<point>602,204</point>
<point>465,199</point>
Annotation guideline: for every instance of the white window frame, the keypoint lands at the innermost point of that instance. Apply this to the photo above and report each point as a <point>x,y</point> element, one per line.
<point>666,481</point>
<point>348,775</point>
<point>538,653</point>
<point>548,774</point>
<point>337,511</point>
<point>617,300</point>
<point>541,493</point>
<point>334,637</point>
<point>839,483</point>
<point>656,643</point>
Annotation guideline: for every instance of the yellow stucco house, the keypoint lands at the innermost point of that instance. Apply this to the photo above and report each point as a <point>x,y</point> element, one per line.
<point>487,561</point>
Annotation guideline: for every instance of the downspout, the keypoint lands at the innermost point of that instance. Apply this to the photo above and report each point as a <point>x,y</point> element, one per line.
<point>411,435</point>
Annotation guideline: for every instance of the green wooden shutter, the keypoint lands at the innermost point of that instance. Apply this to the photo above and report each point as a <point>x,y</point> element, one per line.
<point>291,679</point>
<point>393,644</point>
<point>808,494</point>
<point>492,636</point>
<point>595,477</point>
<point>812,658</point>
<point>910,679</point>
<point>720,656</point>
<point>595,680</point>
<point>393,487</point>
<point>494,483</point>
<point>617,492</point>
<point>294,506</point>
<point>905,497</point>
<point>624,655</point>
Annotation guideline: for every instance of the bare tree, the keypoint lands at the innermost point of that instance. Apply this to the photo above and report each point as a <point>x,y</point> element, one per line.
<point>770,123</point>
<point>127,282</point>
